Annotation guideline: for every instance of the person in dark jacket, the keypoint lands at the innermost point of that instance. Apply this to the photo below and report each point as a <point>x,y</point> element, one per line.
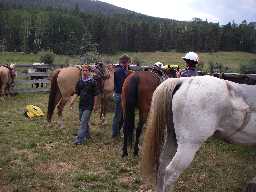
<point>191,59</point>
<point>87,89</point>
<point>119,77</point>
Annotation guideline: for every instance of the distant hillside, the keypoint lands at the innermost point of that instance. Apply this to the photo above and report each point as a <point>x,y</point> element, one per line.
<point>68,27</point>
<point>88,6</point>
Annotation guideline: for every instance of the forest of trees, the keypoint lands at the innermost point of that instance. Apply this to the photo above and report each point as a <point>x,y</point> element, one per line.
<point>73,32</point>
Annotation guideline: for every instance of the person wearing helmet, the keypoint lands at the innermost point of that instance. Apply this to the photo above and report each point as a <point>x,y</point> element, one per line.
<point>191,59</point>
<point>158,68</point>
<point>119,76</point>
<point>158,64</point>
<point>86,88</point>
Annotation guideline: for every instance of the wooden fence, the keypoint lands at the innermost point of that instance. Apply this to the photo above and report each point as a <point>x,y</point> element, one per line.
<point>29,81</point>
<point>33,78</point>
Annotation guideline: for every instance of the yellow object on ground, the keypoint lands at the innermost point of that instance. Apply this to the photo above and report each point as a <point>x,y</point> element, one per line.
<point>33,111</point>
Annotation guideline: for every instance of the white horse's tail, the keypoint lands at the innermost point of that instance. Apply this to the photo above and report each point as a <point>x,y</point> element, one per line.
<point>160,117</point>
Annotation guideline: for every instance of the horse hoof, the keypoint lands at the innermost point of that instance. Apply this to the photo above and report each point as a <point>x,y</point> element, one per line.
<point>124,155</point>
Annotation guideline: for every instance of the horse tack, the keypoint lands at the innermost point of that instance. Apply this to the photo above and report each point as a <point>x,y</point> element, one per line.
<point>246,109</point>
<point>162,77</point>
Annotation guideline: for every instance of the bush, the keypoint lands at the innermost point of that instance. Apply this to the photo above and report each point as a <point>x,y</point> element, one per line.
<point>91,57</point>
<point>137,61</point>
<point>249,67</point>
<point>47,58</point>
<point>216,67</point>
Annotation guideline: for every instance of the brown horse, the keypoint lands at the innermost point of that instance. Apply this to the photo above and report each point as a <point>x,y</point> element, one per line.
<point>63,82</point>
<point>137,92</point>
<point>7,75</point>
<point>107,92</point>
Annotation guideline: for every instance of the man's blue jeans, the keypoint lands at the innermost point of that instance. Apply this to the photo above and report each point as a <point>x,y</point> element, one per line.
<point>84,131</point>
<point>118,116</point>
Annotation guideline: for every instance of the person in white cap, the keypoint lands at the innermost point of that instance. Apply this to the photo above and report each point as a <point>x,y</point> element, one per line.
<point>191,59</point>
<point>157,68</point>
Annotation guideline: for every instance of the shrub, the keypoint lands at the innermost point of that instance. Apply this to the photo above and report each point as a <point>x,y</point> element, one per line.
<point>249,67</point>
<point>47,58</point>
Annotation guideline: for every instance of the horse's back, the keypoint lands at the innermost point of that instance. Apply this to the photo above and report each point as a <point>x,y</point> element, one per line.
<point>138,87</point>
<point>205,105</point>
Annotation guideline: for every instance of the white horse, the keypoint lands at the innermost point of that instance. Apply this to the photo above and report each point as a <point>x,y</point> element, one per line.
<point>184,113</point>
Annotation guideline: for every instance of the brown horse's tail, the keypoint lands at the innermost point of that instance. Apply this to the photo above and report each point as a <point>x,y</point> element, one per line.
<point>129,102</point>
<point>54,96</point>
<point>160,117</point>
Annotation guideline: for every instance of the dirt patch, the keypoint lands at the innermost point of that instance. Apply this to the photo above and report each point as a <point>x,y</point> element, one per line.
<point>26,153</point>
<point>55,168</point>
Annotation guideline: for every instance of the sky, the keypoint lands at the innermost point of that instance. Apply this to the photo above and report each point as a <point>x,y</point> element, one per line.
<point>222,11</point>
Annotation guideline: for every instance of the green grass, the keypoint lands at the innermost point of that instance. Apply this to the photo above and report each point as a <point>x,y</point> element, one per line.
<point>37,156</point>
<point>18,57</point>
<point>232,60</point>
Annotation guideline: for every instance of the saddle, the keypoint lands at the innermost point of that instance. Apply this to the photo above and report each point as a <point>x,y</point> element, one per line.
<point>160,74</point>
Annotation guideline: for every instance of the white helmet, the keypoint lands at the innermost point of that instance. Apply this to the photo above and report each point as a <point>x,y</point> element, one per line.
<point>12,65</point>
<point>159,64</point>
<point>191,56</point>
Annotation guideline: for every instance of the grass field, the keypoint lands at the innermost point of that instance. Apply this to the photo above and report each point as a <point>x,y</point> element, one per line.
<point>36,156</point>
<point>232,60</point>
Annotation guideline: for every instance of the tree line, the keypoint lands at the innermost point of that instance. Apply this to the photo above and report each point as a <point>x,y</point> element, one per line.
<point>72,32</point>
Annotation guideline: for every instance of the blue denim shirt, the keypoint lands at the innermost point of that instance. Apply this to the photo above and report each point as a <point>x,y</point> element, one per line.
<point>189,72</point>
<point>119,77</point>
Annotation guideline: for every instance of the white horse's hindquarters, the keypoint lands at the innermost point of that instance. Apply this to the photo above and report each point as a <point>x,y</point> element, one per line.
<point>195,120</point>
<point>196,108</point>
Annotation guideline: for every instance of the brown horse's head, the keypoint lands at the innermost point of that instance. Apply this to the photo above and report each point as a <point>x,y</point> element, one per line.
<point>101,71</point>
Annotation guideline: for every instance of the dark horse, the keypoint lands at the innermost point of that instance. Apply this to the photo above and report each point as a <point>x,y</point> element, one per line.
<point>137,92</point>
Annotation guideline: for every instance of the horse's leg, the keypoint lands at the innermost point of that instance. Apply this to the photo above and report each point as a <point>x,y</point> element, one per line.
<point>190,131</point>
<point>2,92</point>
<point>188,143</point>
<point>60,107</point>
<point>138,133</point>
<point>142,119</point>
<point>102,108</point>
<point>168,151</point>
<point>181,160</point>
